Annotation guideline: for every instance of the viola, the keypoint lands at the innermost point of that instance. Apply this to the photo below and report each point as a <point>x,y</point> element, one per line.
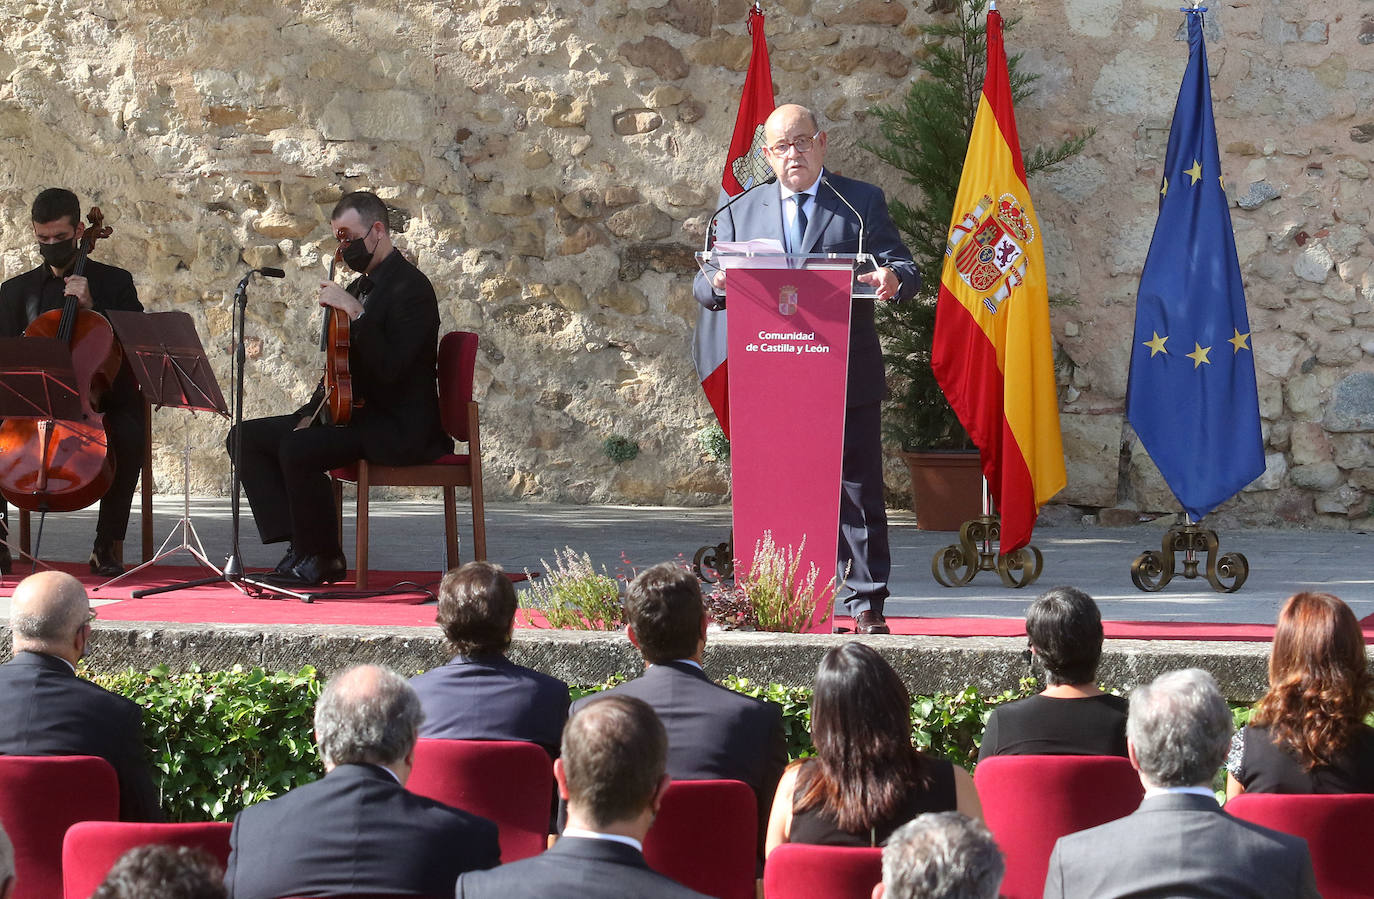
<point>338,381</point>
<point>62,466</point>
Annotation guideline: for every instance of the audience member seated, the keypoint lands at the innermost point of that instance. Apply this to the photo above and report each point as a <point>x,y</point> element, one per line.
<point>713,733</point>
<point>941,855</point>
<point>480,694</point>
<point>612,773</point>
<point>1179,842</point>
<point>163,872</point>
<point>45,709</point>
<point>6,865</point>
<point>866,779</point>
<point>1307,734</point>
<point>358,830</point>
<point>1071,716</point>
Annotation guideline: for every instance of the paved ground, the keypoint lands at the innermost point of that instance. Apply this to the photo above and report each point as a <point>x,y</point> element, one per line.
<point>409,535</point>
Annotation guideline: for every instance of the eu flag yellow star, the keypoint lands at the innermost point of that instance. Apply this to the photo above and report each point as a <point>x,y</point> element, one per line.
<point>1199,355</point>
<point>1239,340</point>
<point>1164,191</point>
<point>1157,345</point>
<point>1195,172</point>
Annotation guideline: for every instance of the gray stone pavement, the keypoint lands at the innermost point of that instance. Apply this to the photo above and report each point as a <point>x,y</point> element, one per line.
<point>409,535</point>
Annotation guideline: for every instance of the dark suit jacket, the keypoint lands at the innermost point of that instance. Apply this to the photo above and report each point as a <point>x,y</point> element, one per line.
<point>713,732</point>
<point>831,228</point>
<point>45,709</point>
<point>492,698</point>
<point>355,831</point>
<point>392,359</point>
<point>1180,845</point>
<point>575,868</point>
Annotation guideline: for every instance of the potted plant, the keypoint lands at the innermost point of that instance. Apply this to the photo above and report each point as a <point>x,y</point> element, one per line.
<point>926,139</point>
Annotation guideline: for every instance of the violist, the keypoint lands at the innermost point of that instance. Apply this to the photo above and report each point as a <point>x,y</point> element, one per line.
<point>392,356</point>
<point>57,226</point>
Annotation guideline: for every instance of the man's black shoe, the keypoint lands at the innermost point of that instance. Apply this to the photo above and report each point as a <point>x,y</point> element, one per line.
<point>104,562</point>
<point>287,562</point>
<point>869,622</point>
<point>311,571</point>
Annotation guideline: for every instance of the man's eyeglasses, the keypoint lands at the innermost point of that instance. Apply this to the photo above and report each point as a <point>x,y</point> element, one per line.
<point>801,145</point>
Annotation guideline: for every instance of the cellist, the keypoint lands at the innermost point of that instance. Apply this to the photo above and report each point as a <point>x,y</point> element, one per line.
<point>57,226</point>
<point>394,317</point>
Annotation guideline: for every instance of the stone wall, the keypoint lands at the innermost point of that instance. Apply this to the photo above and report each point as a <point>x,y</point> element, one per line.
<point>554,165</point>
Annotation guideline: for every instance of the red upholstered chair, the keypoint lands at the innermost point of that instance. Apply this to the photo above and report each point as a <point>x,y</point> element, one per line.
<point>706,837</point>
<point>1030,801</point>
<point>458,412</point>
<point>39,799</point>
<point>1336,828</point>
<point>804,871</point>
<point>509,782</point>
<point>92,847</point>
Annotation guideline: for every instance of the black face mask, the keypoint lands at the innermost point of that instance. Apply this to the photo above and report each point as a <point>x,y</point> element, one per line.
<point>58,254</point>
<point>356,255</point>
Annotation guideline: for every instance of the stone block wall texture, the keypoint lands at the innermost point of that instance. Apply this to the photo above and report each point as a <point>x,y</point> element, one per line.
<point>554,164</point>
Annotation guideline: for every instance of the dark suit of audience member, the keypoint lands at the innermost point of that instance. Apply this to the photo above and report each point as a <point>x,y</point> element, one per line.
<point>45,709</point>
<point>1179,843</point>
<point>480,694</point>
<point>358,830</point>
<point>611,772</point>
<point>1071,716</point>
<point>713,732</point>
<point>826,223</point>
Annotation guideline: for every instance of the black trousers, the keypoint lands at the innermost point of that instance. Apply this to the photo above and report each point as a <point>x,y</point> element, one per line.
<point>124,431</point>
<point>863,514</point>
<point>285,475</point>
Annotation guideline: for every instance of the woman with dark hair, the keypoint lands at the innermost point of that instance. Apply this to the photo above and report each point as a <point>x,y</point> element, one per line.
<point>1071,716</point>
<point>866,779</point>
<point>1307,734</point>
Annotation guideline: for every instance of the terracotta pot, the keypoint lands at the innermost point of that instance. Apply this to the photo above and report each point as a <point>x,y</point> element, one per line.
<point>946,488</point>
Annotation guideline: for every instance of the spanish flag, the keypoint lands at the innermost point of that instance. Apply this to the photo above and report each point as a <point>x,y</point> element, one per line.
<point>993,355</point>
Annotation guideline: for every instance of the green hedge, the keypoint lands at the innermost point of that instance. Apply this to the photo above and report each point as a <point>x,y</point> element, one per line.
<point>223,740</point>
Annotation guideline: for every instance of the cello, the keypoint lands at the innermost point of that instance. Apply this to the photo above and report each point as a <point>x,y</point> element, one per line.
<point>62,466</point>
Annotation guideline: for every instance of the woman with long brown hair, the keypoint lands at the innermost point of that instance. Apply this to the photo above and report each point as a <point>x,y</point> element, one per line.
<point>866,779</point>
<point>1307,734</point>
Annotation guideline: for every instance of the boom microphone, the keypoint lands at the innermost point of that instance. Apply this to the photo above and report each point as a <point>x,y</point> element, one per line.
<point>711,229</point>
<point>825,179</point>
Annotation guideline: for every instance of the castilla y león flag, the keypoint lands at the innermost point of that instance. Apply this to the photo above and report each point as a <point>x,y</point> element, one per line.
<point>745,166</point>
<point>993,355</point>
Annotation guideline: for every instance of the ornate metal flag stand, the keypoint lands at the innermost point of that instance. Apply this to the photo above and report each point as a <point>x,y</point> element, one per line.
<point>1152,570</point>
<point>715,563</point>
<point>957,564</point>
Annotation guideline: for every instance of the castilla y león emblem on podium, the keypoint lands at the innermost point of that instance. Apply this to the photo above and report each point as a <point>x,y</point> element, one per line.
<point>787,300</point>
<point>988,246</point>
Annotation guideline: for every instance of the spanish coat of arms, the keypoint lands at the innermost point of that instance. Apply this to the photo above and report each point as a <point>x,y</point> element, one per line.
<point>988,246</point>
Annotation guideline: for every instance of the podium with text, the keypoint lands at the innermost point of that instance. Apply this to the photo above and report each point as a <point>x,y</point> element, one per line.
<point>788,351</point>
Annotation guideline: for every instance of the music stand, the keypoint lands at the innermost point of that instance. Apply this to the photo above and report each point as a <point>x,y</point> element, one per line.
<point>37,383</point>
<point>169,361</point>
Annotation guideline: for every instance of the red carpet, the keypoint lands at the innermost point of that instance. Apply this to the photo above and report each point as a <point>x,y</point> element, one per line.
<point>405,591</point>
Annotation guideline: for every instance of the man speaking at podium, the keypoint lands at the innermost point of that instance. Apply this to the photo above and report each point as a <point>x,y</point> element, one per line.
<point>810,210</point>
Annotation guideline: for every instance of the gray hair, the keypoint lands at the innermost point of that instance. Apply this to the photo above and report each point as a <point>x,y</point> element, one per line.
<point>48,608</point>
<point>367,714</point>
<point>6,860</point>
<point>942,855</point>
<point>1180,727</point>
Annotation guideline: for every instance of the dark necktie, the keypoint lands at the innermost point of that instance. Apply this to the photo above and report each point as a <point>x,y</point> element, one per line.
<point>801,221</point>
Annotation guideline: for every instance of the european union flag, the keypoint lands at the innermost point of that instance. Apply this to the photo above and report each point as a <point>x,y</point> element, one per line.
<point>1191,396</point>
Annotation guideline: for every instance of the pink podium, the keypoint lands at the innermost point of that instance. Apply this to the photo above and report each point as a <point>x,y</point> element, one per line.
<point>788,346</point>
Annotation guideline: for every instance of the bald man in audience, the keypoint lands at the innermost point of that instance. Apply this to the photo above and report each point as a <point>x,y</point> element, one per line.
<point>358,830</point>
<point>613,773</point>
<point>45,709</point>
